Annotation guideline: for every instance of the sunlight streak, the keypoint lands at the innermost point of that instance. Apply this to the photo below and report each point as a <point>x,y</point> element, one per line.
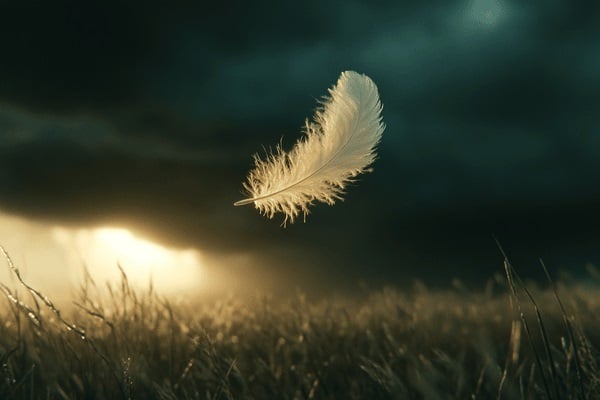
<point>102,249</point>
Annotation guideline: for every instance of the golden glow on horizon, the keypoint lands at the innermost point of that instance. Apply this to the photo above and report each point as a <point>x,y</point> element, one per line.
<point>102,248</point>
<point>51,258</point>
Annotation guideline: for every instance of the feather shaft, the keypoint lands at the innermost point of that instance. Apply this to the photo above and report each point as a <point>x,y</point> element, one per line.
<point>245,202</point>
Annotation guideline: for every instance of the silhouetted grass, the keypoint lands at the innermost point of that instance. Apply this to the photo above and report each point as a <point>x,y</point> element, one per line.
<point>508,341</point>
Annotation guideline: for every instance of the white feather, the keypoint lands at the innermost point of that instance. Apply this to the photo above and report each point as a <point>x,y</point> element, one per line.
<point>338,145</point>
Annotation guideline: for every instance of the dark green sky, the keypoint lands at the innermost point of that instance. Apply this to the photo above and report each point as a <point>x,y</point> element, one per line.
<point>149,114</point>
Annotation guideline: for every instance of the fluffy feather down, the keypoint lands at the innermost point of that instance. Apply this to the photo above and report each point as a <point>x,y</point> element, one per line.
<point>338,146</point>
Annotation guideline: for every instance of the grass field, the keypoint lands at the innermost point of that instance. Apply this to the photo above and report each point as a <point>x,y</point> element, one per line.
<point>416,344</point>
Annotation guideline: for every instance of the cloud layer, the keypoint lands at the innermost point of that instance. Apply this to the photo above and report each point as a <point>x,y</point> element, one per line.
<point>148,115</point>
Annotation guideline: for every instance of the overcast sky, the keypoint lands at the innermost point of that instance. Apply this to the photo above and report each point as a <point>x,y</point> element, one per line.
<point>147,115</point>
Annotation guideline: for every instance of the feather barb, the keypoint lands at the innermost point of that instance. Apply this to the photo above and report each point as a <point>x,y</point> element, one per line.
<point>338,145</point>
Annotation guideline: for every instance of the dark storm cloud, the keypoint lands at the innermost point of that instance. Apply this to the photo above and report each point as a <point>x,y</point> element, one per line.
<point>149,114</point>
<point>66,55</point>
<point>51,170</point>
